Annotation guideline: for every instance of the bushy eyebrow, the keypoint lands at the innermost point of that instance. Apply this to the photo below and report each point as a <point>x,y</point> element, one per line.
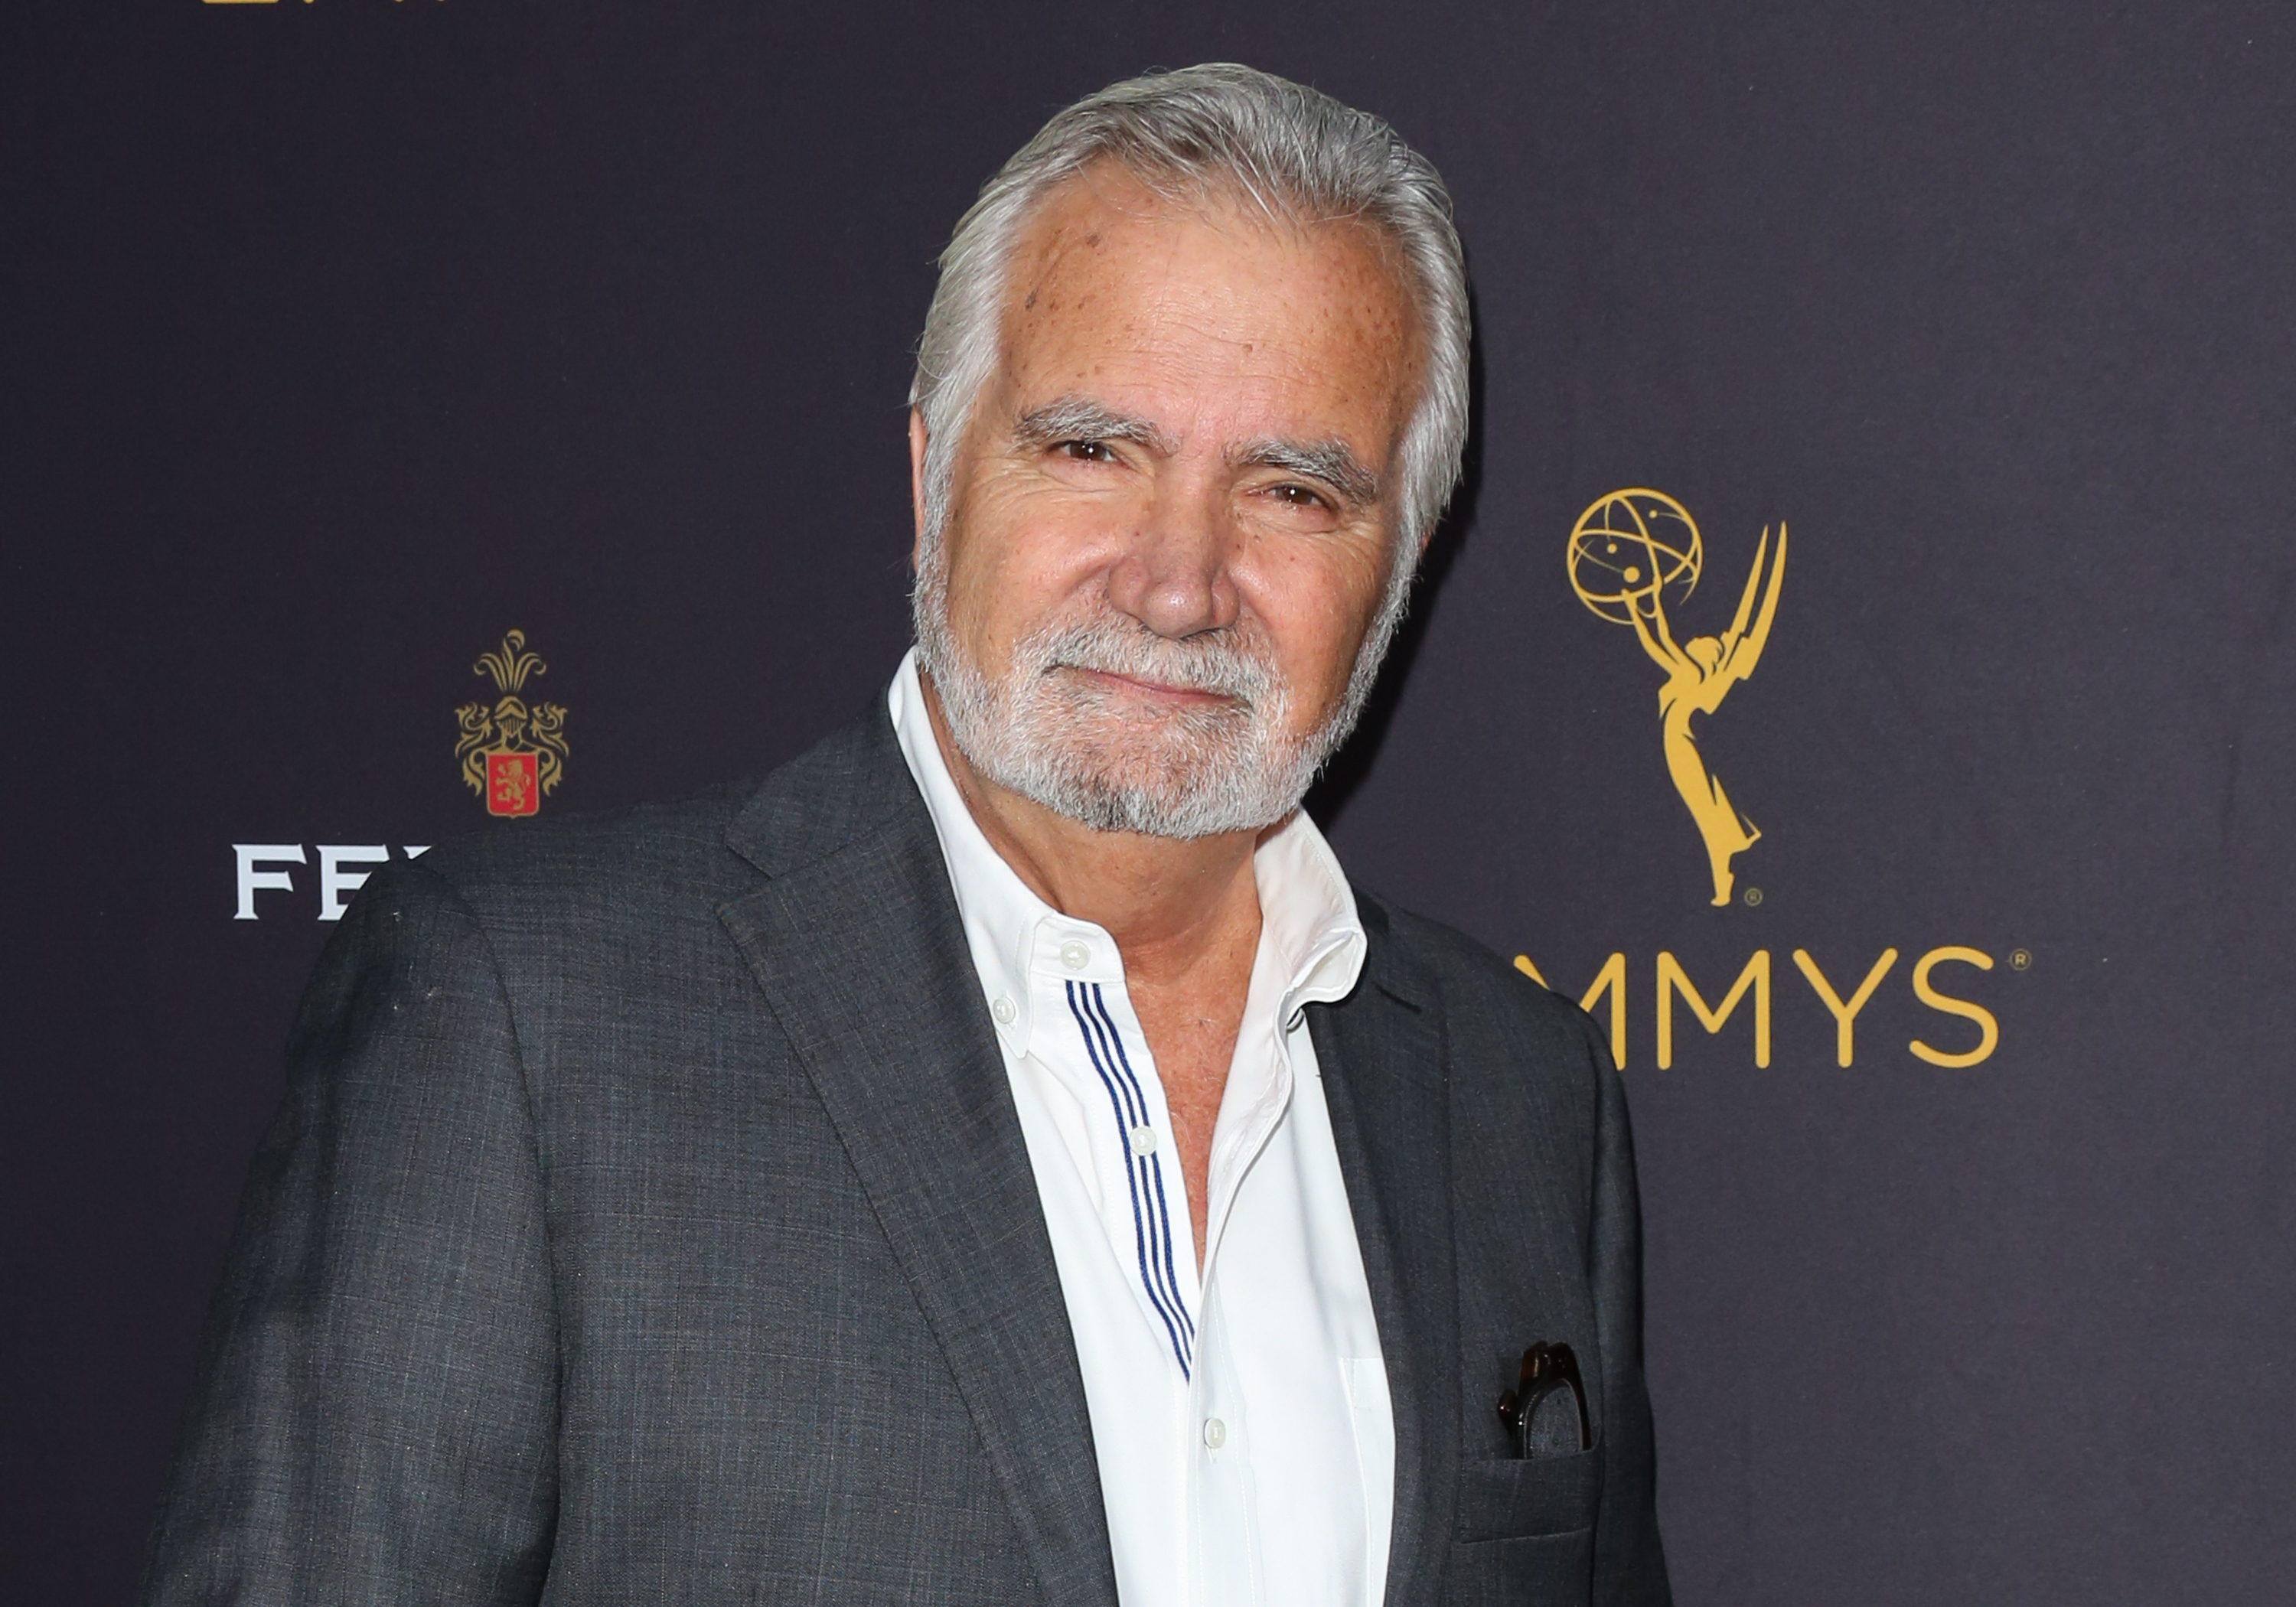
<point>1074,418</point>
<point>1330,462</point>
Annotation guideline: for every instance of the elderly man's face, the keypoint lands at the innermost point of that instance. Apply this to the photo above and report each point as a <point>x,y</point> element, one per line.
<point>1172,519</point>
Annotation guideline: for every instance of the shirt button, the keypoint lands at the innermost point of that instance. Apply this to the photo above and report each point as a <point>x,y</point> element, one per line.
<point>1143,1139</point>
<point>1215,1432</point>
<point>1075,955</point>
<point>1004,1010</point>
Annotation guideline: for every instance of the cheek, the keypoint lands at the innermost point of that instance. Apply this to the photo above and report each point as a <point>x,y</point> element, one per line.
<point>1017,558</point>
<point>1316,601</point>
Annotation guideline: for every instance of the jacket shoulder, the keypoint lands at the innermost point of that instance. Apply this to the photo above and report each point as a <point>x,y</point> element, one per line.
<point>626,880</point>
<point>1479,993</point>
<point>715,841</point>
<point>608,855</point>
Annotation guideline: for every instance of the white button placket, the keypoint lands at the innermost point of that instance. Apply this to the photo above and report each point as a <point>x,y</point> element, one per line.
<point>1223,1555</point>
<point>1223,1518</point>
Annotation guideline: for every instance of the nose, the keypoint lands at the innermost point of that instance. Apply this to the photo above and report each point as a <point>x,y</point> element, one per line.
<point>1174,579</point>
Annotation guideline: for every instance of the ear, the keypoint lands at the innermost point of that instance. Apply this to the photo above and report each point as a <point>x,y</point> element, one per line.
<point>916,484</point>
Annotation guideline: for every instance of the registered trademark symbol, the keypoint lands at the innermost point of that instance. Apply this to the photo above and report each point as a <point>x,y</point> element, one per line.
<point>2020,959</point>
<point>1753,897</point>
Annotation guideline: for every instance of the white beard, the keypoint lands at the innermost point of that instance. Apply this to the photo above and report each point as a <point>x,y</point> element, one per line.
<point>1063,742</point>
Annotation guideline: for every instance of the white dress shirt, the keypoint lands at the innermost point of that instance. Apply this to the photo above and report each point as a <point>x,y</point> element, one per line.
<point>1240,1413</point>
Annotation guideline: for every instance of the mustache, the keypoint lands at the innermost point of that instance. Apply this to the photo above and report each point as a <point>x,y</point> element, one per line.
<point>1215,662</point>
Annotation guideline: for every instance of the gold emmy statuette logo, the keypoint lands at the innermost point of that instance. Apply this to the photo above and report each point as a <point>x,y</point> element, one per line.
<point>513,753</point>
<point>1627,552</point>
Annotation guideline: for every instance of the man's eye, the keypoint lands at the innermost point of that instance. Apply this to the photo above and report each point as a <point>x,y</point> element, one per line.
<point>1088,452</point>
<point>1300,497</point>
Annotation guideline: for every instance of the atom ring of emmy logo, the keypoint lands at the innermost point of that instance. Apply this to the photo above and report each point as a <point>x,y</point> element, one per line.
<point>1633,554</point>
<point>515,753</point>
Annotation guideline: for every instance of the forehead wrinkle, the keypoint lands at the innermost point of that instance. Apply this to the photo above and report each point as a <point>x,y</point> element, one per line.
<point>1159,311</point>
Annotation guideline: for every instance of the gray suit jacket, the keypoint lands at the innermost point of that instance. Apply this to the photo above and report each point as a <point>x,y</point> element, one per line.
<point>648,1219</point>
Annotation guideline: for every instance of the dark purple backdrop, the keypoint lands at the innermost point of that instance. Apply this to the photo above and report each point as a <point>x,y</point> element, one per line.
<point>340,337</point>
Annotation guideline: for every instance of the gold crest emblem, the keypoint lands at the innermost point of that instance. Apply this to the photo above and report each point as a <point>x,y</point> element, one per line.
<point>1627,552</point>
<point>514,752</point>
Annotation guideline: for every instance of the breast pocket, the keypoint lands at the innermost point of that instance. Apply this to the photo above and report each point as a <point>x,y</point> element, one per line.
<point>1516,1498</point>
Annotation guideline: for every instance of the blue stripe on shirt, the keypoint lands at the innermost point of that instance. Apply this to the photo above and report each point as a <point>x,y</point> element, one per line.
<point>1143,1224</point>
<point>1153,1165</point>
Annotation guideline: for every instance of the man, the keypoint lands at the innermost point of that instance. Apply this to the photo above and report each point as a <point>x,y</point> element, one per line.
<point>998,1159</point>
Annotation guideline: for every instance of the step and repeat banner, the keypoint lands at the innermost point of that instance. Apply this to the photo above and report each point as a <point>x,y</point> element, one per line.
<point>1859,666</point>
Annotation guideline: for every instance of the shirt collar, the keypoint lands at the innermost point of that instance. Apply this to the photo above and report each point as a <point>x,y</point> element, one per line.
<point>1309,927</point>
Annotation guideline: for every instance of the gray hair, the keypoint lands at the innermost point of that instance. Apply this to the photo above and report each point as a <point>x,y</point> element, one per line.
<point>1297,155</point>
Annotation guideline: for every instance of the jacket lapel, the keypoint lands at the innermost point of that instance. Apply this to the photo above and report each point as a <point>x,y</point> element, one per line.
<point>1382,1055</point>
<point>862,957</point>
